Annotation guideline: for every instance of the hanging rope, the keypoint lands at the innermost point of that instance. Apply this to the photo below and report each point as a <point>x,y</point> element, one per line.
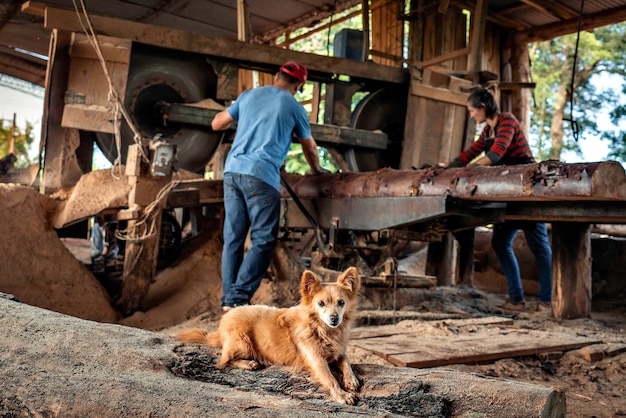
<point>145,227</point>
<point>114,103</point>
<point>575,127</point>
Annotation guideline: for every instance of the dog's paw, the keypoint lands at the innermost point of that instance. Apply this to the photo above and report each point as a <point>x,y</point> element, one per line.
<point>344,397</point>
<point>253,365</point>
<point>352,383</point>
<point>246,364</point>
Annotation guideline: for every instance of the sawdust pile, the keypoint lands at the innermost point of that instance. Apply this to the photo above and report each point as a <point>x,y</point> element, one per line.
<point>37,268</point>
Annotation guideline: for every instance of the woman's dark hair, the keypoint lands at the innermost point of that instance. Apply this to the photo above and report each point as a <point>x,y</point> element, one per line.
<point>483,98</point>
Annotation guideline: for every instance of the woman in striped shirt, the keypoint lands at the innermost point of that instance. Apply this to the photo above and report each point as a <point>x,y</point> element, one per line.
<point>504,143</point>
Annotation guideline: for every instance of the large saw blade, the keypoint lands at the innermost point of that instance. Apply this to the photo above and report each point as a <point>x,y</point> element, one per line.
<point>384,110</point>
<point>157,74</point>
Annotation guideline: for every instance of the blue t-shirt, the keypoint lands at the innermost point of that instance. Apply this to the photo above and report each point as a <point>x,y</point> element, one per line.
<point>266,119</point>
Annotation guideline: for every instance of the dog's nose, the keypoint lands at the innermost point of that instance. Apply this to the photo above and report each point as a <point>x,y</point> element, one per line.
<point>334,319</point>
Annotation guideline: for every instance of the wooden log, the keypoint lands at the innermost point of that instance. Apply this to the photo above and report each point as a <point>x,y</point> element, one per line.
<point>571,270</point>
<point>387,281</point>
<point>548,180</point>
<point>63,366</point>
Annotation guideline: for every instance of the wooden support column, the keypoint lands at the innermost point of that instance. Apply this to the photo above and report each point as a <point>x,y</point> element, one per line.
<point>442,260</point>
<point>571,270</point>
<point>477,38</point>
<point>60,167</point>
<point>365,6</point>
<point>466,256</point>
<point>338,102</point>
<point>140,260</point>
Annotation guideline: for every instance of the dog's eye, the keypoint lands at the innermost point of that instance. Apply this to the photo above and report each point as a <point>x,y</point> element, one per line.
<point>321,304</point>
<point>341,302</point>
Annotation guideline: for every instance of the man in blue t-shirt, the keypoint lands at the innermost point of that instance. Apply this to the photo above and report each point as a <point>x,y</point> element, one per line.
<point>267,118</point>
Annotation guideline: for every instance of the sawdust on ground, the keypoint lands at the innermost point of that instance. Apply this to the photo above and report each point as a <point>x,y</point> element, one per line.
<point>39,270</point>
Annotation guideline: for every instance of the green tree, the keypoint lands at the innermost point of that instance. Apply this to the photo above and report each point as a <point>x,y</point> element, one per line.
<point>552,120</point>
<point>23,138</point>
<point>321,43</point>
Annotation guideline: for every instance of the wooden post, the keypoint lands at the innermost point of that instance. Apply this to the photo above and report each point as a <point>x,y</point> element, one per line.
<point>477,38</point>
<point>442,260</point>
<point>365,6</point>
<point>466,256</point>
<point>140,260</point>
<point>571,270</point>
<point>59,168</point>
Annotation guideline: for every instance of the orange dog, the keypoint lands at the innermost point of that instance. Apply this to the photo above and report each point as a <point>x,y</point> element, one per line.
<point>308,336</point>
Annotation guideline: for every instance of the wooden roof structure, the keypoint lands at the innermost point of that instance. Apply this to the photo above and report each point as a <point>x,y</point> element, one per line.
<point>24,41</point>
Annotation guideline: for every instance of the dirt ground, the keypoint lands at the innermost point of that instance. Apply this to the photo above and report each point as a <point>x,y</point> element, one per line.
<point>40,269</point>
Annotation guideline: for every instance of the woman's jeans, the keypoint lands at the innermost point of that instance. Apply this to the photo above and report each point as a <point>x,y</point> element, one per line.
<point>249,204</point>
<point>537,239</point>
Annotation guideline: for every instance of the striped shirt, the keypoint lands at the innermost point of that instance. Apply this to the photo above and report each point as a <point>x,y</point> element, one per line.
<point>507,147</point>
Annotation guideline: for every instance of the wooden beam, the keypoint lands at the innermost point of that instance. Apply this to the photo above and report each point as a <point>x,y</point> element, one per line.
<point>288,40</point>
<point>441,58</point>
<point>254,56</point>
<point>552,8</point>
<point>497,18</point>
<point>516,86</point>
<point>365,8</point>
<point>34,7</point>
<point>242,21</point>
<point>589,22</point>
<point>477,38</point>
<point>434,93</point>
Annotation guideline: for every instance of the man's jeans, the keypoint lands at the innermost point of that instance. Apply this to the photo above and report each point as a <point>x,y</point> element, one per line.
<point>537,239</point>
<point>249,204</point>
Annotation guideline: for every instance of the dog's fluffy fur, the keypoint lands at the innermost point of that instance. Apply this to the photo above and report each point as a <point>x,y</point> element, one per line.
<point>309,336</point>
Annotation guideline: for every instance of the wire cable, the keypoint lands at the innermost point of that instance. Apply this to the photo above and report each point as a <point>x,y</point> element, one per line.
<point>574,126</point>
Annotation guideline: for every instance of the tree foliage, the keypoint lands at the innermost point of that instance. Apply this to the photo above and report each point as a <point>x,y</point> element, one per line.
<point>23,138</point>
<point>567,103</point>
<point>321,43</point>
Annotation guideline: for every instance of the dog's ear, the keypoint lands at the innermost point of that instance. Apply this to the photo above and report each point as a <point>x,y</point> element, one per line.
<point>350,280</point>
<point>309,284</point>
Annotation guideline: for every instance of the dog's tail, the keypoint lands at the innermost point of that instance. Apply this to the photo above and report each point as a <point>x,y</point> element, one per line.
<point>200,336</point>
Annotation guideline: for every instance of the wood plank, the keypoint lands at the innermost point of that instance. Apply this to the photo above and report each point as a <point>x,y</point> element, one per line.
<point>387,281</point>
<point>441,58</point>
<point>249,55</point>
<point>486,320</point>
<point>441,95</point>
<point>598,352</point>
<point>413,350</point>
<point>360,333</point>
<point>89,117</point>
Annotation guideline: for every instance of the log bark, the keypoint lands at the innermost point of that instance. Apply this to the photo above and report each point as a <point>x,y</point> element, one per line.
<point>548,180</point>
<point>56,365</point>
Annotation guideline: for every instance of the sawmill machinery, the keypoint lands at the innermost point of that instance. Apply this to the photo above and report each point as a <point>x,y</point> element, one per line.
<point>358,216</point>
<point>165,82</point>
<point>159,78</point>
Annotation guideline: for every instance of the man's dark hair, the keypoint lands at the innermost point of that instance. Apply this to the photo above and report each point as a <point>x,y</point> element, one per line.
<point>289,79</point>
<point>483,98</point>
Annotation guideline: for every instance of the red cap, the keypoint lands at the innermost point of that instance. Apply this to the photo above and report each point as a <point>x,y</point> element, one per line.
<point>296,70</point>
